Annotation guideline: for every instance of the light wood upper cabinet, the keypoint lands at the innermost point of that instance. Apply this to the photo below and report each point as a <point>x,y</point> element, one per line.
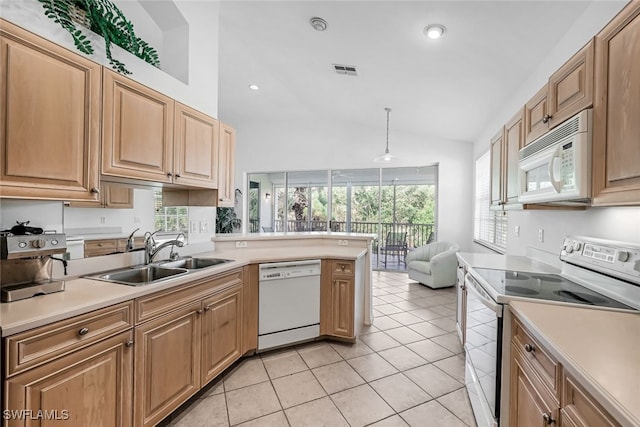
<point>513,142</point>
<point>196,148</point>
<point>226,171</point>
<point>571,87</point>
<point>50,115</point>
<point>616,128</point>
<point>536,122</point>
<point>112,196</point>
<point>497,170</point>
<point>137,130</point>
<point>92,387</point>
<point>569,91</point>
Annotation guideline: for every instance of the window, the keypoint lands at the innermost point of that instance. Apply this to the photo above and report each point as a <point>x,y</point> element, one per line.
<point>170,218</point>
<point>489,227</point>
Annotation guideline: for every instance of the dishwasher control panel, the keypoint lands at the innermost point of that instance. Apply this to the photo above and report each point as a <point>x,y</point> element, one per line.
<point>288,270</point>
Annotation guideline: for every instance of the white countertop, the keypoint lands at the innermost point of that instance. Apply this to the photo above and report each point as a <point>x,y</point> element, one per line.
<point>293,235</point>
<point>504,262</point>
<point>83,295</point>
<point>599,348</point>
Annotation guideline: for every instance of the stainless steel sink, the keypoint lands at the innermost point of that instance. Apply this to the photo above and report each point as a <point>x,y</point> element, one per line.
<point>139,276</point>
<point>191,263</point>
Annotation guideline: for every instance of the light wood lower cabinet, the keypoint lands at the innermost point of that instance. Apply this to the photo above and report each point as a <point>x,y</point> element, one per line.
<point>338,299</point>
<point>90,387</point>
<point>221,332</point>
<point>189,336</point>
<point>167,363</point>
<point>579,409</point>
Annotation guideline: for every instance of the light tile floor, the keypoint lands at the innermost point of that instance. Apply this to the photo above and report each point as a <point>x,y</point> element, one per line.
<point>407,369</point>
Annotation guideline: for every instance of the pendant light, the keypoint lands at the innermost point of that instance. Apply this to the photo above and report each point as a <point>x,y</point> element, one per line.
<point>386,156</point>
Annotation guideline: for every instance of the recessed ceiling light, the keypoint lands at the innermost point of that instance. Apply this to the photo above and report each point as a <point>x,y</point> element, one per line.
<point>318,24</point>
<point>435,31</point>
<point>254,87</point>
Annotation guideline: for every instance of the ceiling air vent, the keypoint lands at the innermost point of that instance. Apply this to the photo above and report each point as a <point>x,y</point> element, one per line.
<point>349,70</point>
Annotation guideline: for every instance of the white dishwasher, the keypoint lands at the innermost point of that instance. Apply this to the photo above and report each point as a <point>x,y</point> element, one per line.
<point>289,303</point>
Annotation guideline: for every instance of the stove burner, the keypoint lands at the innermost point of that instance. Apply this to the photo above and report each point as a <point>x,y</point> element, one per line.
<point>582,297</point>
<point>519,290</point>
<point>547,278</point>
<point>514,275</point>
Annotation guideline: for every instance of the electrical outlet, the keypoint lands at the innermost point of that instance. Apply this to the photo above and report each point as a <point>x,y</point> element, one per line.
<point>103,220</point>
<point>343,242</point>
<point>136,220</point>
<point>204,226</point>
<point>193,227</point>
<point>241,244</point>
<point>517,231</point>
<point>541,235</point>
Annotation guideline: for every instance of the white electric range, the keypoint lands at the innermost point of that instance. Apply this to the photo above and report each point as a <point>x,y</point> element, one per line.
<point>598,273</point>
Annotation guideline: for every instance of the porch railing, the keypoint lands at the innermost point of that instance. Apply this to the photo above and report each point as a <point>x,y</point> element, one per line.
<point>417,234</point>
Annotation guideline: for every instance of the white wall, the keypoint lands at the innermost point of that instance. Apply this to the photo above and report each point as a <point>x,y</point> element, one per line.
<point>202,90</point>
<point>612,223</point>
<point>266,146</point>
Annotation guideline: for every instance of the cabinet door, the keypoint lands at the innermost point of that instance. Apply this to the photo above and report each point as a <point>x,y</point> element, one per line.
<point>342,300</point>
<point>50,115</point>
<point>227,162</point>
<point>137,130</point>
<point>196,148</point>
<point>571,87</point>
<point>117,196</point>
<point>167,364</point>
<point>221,332</point>
<point>497,170</point>
<point>527,408</point>
<point>536,116</point>
<point>91,387</point>
<point>616,128</point>
<point>514,141</point>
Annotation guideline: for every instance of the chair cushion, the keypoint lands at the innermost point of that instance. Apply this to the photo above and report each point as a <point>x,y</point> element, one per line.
<point>421,266</point>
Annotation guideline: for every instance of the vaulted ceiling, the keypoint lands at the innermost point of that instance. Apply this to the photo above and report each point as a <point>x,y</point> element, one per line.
<point>445,88</point>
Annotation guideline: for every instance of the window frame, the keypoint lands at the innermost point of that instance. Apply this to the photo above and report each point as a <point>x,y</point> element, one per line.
<point>490,228</point>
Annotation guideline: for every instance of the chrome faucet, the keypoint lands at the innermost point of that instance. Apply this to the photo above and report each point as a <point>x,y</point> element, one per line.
<point>151,250</point>
<point>130,240</point>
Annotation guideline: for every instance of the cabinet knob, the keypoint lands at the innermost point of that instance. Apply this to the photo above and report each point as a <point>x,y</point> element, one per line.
<point>342,267</point>
<point>529,348</point>
<point>221,200</point>
<point>177,175</point>
<point>548,420</point>
<point>199,311</point>
<point>207,308</point>
<point>546,118</point>
<point>128,344</point>
<point>334,281</point>
<point>95,190</point>
<point>83,331</point>
<point>169,174</point>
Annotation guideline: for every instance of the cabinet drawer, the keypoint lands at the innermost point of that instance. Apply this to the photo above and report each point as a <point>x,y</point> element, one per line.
<point>543,364</point>
<point>154,305</point>
<point>34,347</point>
<point>100,247</point>
<point>342,267</point>
<point>580,408</point>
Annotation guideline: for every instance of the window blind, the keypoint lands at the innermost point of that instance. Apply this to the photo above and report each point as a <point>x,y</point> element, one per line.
<point>489,227</point>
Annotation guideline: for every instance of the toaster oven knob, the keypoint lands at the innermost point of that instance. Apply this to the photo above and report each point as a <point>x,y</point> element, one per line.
<point>22,244</point>
<point>577,246</point>
<point>623,256</point>
<point>38,243</point>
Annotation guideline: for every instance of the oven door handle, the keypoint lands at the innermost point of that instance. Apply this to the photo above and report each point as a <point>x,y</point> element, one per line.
<point>481,294</point>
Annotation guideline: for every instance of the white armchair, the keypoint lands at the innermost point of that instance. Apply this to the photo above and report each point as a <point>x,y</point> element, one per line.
<point>434,264</point>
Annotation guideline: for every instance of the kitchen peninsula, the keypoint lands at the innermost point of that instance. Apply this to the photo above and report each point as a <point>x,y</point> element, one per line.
<point>207,317</point>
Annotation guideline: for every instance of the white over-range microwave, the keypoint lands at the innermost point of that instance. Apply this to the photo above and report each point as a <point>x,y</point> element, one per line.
<point>556,168</point>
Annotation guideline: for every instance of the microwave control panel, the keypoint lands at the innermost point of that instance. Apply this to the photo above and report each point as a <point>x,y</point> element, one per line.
<point>567,166</point>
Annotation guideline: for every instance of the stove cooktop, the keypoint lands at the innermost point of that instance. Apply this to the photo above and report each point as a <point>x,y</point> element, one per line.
<point>552,287</point>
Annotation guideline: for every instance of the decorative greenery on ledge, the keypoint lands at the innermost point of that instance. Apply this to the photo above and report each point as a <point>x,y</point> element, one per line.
<point>103,18</point>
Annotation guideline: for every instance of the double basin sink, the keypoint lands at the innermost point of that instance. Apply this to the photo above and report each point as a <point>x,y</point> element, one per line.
<point>152,273</point>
